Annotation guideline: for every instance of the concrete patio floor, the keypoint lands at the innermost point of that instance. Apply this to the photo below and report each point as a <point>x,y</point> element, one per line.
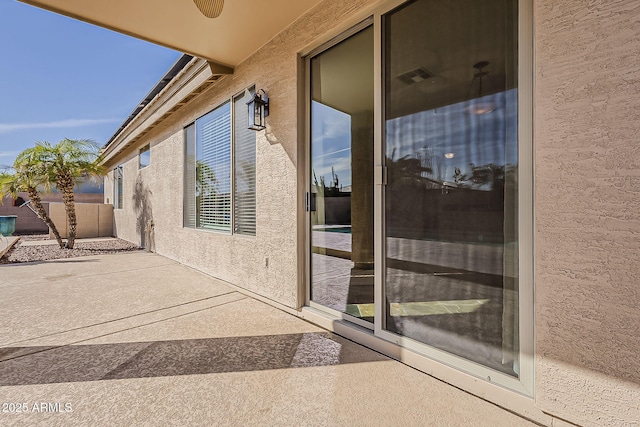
<point>138,339</point>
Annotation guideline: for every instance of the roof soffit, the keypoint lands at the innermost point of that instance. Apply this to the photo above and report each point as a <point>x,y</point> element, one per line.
<point>188,84</point>
<point>242,28</point>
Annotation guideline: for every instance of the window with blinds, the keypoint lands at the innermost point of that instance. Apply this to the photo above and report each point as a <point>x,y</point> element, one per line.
<point>220,189</point>
<point>117,187</point>
<point>244,168</point>
<point>213,170</point>
<point>190,187</point>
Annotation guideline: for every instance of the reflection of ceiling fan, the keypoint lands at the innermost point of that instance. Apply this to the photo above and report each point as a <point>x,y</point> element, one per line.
<point>210,8</point>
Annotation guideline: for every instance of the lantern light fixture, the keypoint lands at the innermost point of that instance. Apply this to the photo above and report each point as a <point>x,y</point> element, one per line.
<point>258,109</point>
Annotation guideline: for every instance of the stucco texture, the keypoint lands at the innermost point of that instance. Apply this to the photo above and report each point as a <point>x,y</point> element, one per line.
<point>586,205</point>
<point>587,210</point>
<point>158,188</point>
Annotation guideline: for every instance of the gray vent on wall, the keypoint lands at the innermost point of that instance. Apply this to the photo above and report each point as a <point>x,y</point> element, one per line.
<point>416,75</point>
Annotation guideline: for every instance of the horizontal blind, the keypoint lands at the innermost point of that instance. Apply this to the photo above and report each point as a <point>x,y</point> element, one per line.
<point>118,197</point>
<point>244,168</point>
<point>189,197</point>
<point>213,169</point>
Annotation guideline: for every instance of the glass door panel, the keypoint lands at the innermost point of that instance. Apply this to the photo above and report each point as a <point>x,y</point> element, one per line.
<point>450,111</point>
<point>341,177</point>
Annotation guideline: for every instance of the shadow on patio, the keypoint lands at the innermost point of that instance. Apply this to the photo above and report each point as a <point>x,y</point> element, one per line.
<point>48,365</point>
<point>179,346</point>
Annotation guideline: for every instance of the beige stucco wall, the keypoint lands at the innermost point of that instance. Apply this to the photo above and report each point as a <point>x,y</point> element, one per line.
<point>587,186</point>
<point>587,206</point>
<point>93,220</point>
<point>237,259</point>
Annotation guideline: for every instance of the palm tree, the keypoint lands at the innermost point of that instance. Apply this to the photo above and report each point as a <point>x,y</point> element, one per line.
<point>68,163</point>
<point>28,176</point>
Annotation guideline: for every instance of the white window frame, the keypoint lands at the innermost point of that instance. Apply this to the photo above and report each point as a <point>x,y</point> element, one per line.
<point>233,174</point>
<point>238,226</point>
<point>218,149</point>
<point>118,190</point>
<point>144,150</point>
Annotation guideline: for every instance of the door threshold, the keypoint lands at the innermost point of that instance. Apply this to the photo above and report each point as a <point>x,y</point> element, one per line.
<point>505,398</point>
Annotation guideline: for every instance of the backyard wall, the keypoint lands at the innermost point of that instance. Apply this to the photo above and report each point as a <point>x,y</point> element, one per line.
<point>27,221</point>
<point>94,220</point>
<point>78,197</point>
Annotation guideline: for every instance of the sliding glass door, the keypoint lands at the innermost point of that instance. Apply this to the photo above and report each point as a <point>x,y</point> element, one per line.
<point>445,227</point>
<point>341,177</point>
<point>451,147</point>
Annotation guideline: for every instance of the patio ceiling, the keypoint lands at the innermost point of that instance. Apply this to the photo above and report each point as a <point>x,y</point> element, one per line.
<point>242,28</point>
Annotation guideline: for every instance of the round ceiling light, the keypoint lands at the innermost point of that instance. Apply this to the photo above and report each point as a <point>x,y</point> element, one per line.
<point>210,8</point>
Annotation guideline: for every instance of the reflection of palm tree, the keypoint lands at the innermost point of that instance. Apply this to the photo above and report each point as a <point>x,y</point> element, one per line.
<point>408,170</point>
<point>486,175</point>
<point>318,215</point>
<point>320,186</point>
<point>206,190</point>
<point>459,178</point>
<point>246,172</point>
<point>206,182</point>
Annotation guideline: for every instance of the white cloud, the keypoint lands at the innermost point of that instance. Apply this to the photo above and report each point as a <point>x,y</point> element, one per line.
<point>70,123</point>
<point>8,153</point>
<point>330,123</point>
<point>333,152</point>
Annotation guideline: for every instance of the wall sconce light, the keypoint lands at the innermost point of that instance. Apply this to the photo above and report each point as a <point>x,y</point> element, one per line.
<point>258,109</point>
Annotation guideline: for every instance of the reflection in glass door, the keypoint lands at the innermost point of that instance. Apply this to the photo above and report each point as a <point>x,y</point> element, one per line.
<point>451,208</point>
<point>341,177</point>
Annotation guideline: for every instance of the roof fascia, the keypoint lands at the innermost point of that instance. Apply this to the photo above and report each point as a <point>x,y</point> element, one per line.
<point>192,80</point>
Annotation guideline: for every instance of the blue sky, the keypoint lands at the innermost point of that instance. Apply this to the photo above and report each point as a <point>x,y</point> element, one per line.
<point>331,144</point>
<point>62,78</point>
